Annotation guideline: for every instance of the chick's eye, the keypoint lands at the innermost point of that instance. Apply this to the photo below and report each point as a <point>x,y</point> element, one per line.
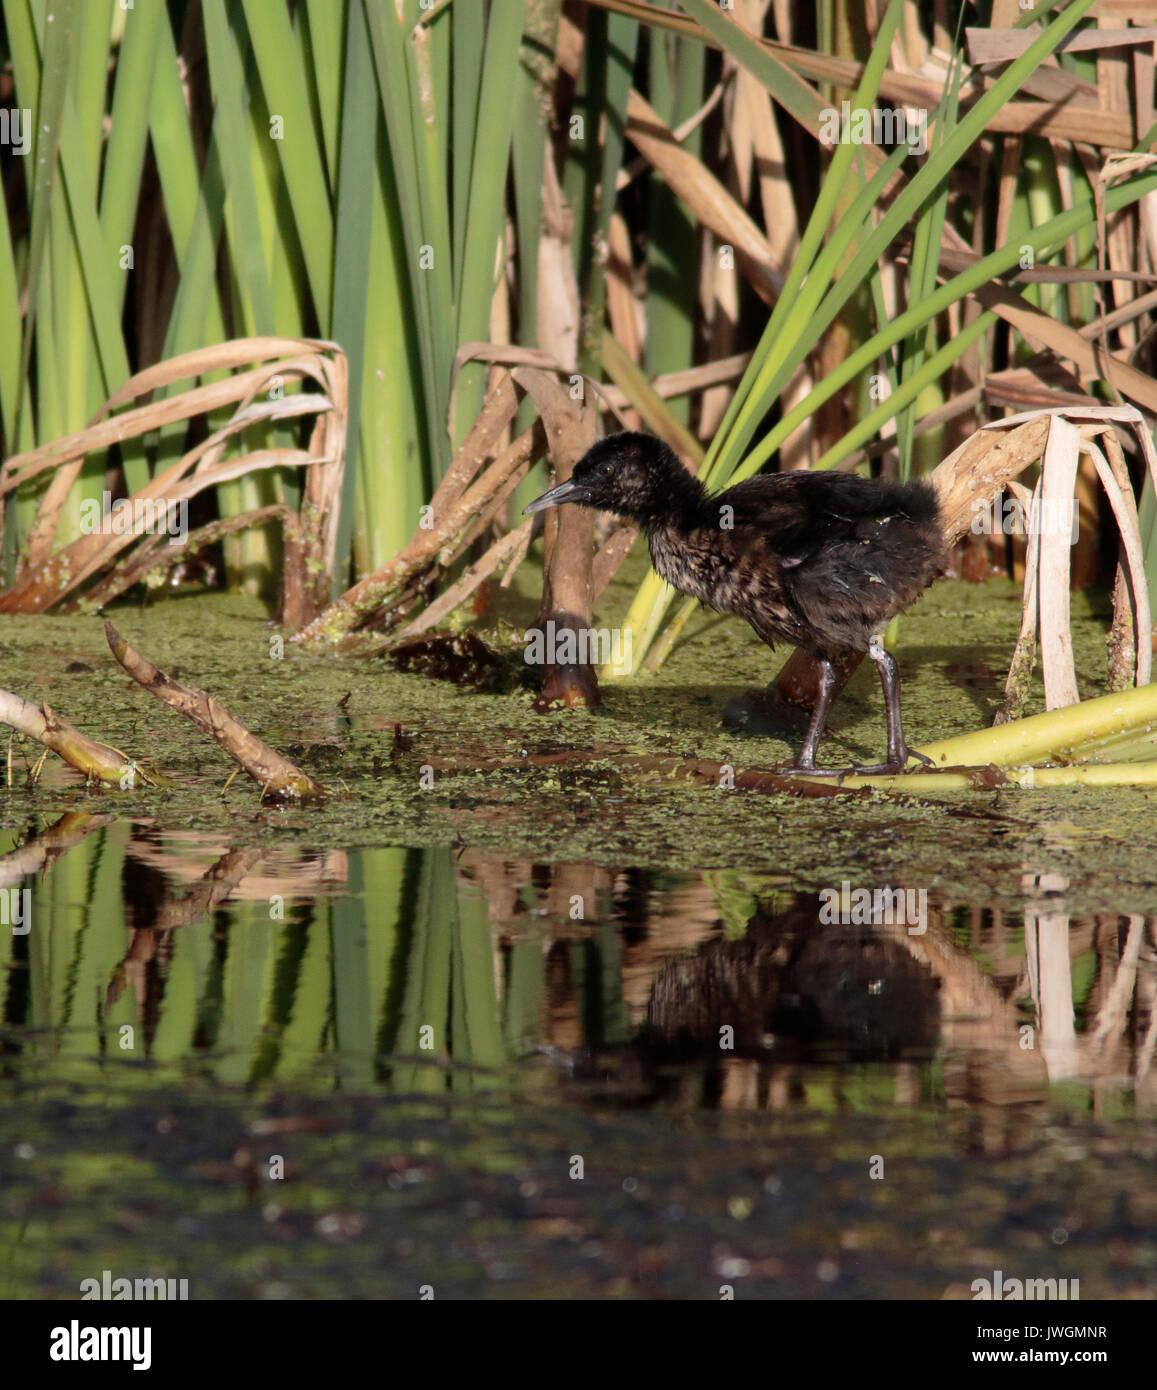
<point>607,469</point>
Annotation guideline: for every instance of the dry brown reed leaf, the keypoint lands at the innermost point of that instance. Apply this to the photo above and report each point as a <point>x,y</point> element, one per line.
<point>688,382</point>
<point>469,497</point>
<point>44,577</point>
<point>624,311</point>
<point>636,167</point>
<point>510,355</point>
<point>509,550</point>
<point>996,45</point>
<point>691,181</point>
<point>1060,114</point>
<point>1072,431</point>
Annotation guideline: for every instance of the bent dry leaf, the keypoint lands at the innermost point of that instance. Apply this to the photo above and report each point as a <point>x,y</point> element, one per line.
<point>47,577</point>
<point>1071,430</point>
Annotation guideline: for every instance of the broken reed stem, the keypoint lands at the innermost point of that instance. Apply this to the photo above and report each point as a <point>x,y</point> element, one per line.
<point>146,559</point>
<point>364,599</point>
<point>280,780</point>
<point>1048,735</point>
<point>97,761</point>
<point>568,534</point>
<point>510,548</point>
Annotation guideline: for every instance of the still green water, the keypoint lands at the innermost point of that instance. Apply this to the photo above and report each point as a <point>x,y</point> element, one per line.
<point>510,1017</point>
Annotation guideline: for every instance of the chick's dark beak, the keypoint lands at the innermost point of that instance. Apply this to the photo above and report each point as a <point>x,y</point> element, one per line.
<point>565,492</point>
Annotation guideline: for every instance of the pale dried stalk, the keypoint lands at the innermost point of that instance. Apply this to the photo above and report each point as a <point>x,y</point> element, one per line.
<point>96,761</point>
<point>279,779</point>
<point>43,579</point>
<point>512,547</point>
<point>1020,668</point>
<point>1058,481</point>
<point>365,597</point>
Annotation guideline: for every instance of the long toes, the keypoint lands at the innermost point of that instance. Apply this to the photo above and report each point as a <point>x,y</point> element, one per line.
<point>904,755</point>
<point>894,766</point>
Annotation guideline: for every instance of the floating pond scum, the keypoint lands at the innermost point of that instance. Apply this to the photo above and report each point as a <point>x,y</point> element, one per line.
<point>490,981</point>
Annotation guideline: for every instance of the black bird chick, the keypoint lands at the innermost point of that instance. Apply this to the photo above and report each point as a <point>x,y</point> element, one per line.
<point>820,560</point>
